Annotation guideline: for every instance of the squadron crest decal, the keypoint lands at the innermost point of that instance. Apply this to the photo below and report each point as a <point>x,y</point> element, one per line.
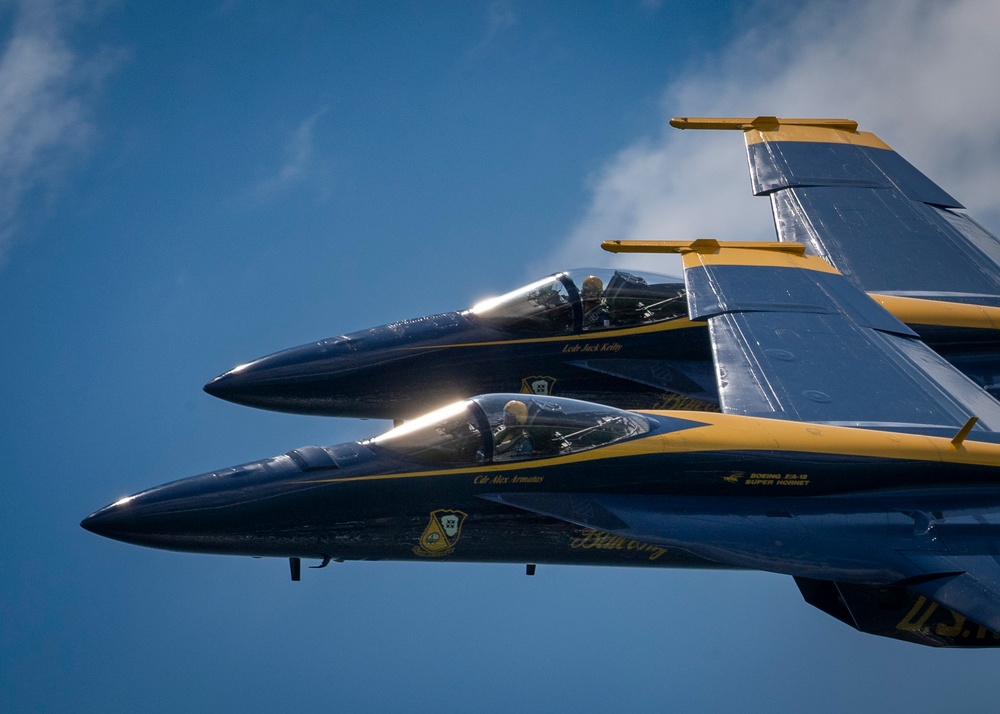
<point>441,534</point>
<point>538,385</point>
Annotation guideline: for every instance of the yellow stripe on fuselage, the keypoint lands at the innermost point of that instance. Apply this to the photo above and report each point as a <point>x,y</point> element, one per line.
<point>730,432</point>
<point>919,311</point>
<point>727,432</point>
<point>912,311</point>
<point>710,252</point>
<point>680,323</point>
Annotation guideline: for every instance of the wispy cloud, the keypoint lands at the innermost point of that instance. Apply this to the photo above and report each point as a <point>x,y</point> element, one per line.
<point>299,163</point>
<point>921,74</point>
<point>46,91</point>
<point>501,18</point>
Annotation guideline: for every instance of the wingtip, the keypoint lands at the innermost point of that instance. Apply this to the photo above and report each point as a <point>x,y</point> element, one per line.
<point>760,123</point>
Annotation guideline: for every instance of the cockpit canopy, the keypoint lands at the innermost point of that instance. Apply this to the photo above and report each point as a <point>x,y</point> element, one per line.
<point>509,427</point>
<point>584,300</point>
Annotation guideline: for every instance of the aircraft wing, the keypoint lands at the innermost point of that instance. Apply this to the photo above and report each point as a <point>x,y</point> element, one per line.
<point>970,585</point>
<point>862,207</point>
<point>921,589</point>
<point>793,339</point>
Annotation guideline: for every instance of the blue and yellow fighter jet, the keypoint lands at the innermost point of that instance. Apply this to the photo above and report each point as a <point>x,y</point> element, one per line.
<point>623,338</point>
<point>848,455</point>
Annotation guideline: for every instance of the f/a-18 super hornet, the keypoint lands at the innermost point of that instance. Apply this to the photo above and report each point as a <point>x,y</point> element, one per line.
<point>847,454</point>
<point>624,338</point>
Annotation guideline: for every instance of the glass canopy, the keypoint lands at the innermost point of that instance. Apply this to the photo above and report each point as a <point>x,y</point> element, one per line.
<point>507,427</point>
<point>584,300</point>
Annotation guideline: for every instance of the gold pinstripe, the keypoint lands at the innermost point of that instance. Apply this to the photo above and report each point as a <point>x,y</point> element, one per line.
<point>679,323</point>
<point>912,311</point>
<point>729,432</point>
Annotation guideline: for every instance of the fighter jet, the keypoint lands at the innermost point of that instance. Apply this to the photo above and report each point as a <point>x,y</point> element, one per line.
<point>848,455</point>
<point>624,338</point>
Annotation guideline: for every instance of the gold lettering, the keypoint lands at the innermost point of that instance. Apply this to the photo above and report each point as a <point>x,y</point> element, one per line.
<point>954,629</point>
<point>529,479</point>
<point>907,624</point>
<point>981,635</point>
<point>610,542</point>
<point>763,479</point>
<point>592,539</point>
<point>587,540</point>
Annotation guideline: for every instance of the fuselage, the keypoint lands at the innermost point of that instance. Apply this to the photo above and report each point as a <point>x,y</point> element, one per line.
<point>634,348</point>
<point>440,488</point>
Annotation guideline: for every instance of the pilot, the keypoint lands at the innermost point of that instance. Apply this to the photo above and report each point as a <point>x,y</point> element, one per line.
<point>595,309</point>
<point>512,440</point>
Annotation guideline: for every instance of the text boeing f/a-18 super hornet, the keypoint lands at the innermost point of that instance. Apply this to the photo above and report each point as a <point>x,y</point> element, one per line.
<point>848,455</point>
<point>624,338</point>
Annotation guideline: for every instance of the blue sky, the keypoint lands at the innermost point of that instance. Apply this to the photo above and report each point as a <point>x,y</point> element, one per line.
<point>182,190</point>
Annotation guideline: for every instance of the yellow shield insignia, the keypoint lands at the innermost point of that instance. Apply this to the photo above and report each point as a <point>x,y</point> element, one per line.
<point>441,534</point>
<point>538,385</point>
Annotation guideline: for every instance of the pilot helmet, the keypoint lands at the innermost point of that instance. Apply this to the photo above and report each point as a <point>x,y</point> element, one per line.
<point>593,286</point>
<point>515,412</point>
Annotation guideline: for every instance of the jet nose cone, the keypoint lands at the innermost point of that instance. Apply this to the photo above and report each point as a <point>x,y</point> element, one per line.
<point>296,380</point>
<point>112,521</point>
<point>232,510</point>
<point>226,386</point>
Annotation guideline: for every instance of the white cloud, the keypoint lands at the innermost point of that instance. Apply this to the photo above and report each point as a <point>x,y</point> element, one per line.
<point>920,74</point>
<point>45,93</point>
<point>501,18</point>
<point>299,161</point>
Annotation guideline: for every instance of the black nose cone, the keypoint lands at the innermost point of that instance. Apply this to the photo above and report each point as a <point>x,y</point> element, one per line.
<point>124,520</point>
<point>371,374</point>
<point>295,380</point>
<point>229,386</point>
<point>109,521</point>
